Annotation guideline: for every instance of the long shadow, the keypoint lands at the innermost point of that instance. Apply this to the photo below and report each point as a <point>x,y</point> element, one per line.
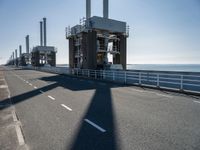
<point>100,111</point>
<point>25,96</point>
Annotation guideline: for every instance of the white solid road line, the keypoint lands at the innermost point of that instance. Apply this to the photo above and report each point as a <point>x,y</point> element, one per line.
<point>164,95</point>
<point>95,125</point>
<point>19,135</point>
<point>63,105</point>
<point>138,90</point>
<point>14,116</point>
<point>197,102</point>
<point>51,97</point>
<point>17,127</point>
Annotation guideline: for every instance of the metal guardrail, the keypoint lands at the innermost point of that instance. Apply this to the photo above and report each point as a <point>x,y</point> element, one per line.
<point>174,81</point>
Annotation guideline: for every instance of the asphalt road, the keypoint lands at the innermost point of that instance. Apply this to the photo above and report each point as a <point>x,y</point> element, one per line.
<point>65,113</point>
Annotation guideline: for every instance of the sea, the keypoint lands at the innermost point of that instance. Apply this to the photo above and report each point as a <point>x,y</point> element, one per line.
<point>159,67</point>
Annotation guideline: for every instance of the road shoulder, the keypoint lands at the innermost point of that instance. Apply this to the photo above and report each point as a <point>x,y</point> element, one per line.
<point>9,124</point>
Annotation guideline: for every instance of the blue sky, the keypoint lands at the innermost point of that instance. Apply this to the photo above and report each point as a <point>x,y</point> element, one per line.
<point>161,31</point>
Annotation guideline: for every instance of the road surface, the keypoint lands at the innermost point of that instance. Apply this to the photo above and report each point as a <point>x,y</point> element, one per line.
<point>67,113</point>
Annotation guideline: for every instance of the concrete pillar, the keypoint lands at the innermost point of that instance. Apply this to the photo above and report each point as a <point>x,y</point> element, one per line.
<point>16,60</point>
<point>16,53</point>
<point>105,8</point>
<point>88,9</point>
<point>41,34</point>
<point>45,33</point>
<point>92,50</point>
<point>71,53</point>
<point>20,50</point>
<point>13,55</point>
<point>27,44</point>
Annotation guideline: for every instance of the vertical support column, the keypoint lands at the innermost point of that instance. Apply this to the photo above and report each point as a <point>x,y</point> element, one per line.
<point>41,34</point>
<point>16,61</point>
<point>16,53</point>
<point>27,49</point>
<point>123,47</point>
<point>105,8</point>
<point>45,33</point>
<point>27,44</point>
<point>20,50</point>
<point>88,9</point>
<point>13,55</point>
<point>71,53</point>
<point>91,50</point>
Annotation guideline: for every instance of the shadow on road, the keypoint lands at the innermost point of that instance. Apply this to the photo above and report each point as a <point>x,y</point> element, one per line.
<point>100,111</point>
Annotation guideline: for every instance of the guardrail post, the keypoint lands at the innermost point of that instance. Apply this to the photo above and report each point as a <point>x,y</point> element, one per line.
<point>104,74</point>
<point>95,72</point>
<point>140,78</point>
<point>158,80</point>
<point>125,77</point>
<point>88,73</point>
<point>181,83</point>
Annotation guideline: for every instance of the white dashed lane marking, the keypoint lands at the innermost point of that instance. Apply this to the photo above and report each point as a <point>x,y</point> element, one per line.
<point>197,102</point>
<point>95,125</point>
<point>163,95</point>
<point>3,86</point>
<point>51,97</point>
<point>63,105</point>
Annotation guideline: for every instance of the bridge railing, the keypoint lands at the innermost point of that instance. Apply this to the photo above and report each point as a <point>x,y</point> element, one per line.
<point>189,82</point>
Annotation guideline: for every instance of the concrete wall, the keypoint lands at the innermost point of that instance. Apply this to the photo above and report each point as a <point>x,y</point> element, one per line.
<point>123,49</point>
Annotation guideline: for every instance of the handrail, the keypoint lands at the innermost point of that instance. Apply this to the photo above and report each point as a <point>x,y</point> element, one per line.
<point>183,82</point>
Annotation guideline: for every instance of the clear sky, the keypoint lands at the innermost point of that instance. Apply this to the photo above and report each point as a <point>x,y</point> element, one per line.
<point>161,31</point>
